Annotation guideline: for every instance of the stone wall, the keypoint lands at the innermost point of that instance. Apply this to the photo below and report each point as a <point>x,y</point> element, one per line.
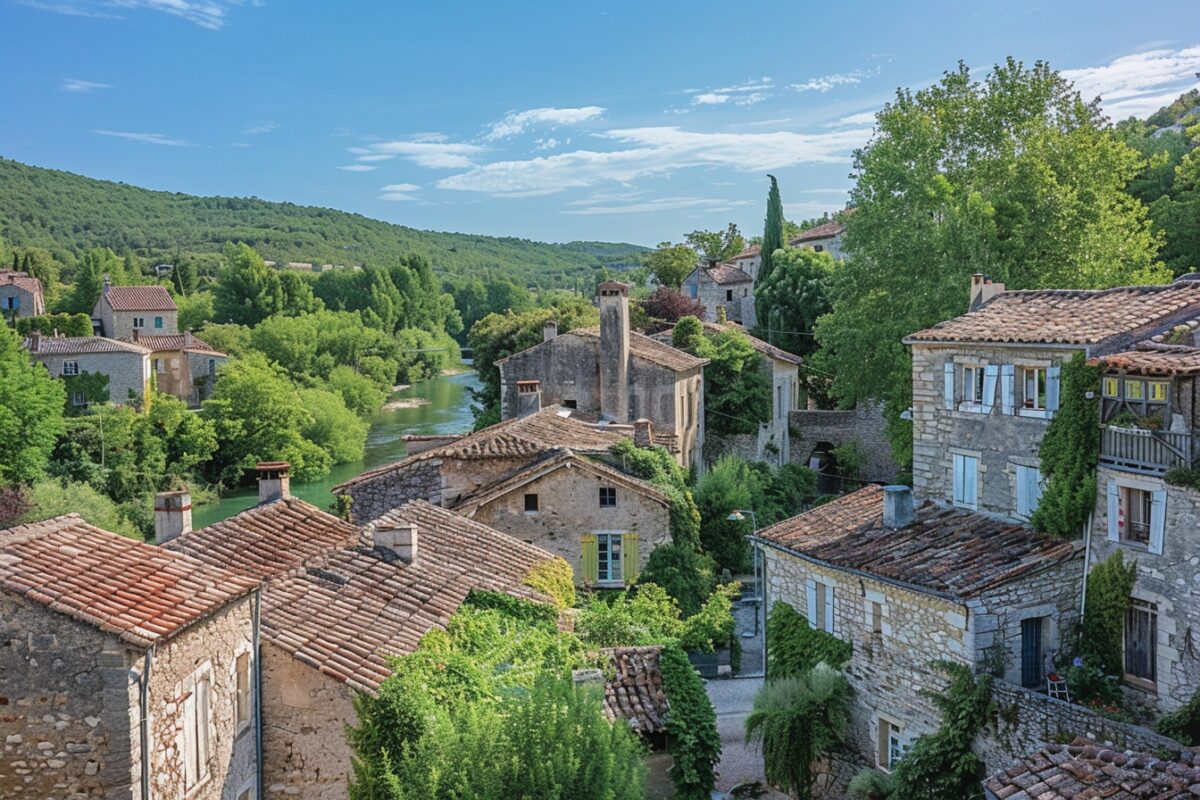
<point>119,324</point>
<point>127,372</point>
<point>305,752</point>
<point>567,367</point>
<point>27,303</point>
<point>864,425</point>
<point>1171,581</point>
<point>203,377</point>
<point>376,496</point>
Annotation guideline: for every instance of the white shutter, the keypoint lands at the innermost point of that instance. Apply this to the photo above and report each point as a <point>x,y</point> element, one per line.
<point>1023,491</point>
<point>970,481</point>
<point>949,385</point>
<point>1114,512</point>
<point>1052,381</point>
<point>829,608</point>
<point>203,727</point>
<point>811,588</point>
<point>989,387</point>
<point>190,776</point>
<point>1007,378</point>
<point>1036,485</point>
<point>1158,520</point>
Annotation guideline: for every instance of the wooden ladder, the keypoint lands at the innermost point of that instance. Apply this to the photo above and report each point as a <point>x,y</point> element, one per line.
<point>1057,689</point>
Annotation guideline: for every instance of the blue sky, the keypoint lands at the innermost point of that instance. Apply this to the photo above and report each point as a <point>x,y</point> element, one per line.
<point>624,121</point>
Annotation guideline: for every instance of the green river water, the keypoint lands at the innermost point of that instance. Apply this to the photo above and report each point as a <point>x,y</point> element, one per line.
<point>441,405</point>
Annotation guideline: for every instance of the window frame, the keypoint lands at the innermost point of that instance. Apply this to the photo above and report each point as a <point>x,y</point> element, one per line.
<point>890,747</point>
<point>1126,504</point>
<point>608,497</point>
<point>1041,376</point>
<point>1150,609</point>
<point>605,559</point>
<point>158,323</point>
<point>139,323</point>
<point>957,497</point>
<point>70,368</point>
<point>532,503</point>
<point>243,683</point>
<point>974,385</point>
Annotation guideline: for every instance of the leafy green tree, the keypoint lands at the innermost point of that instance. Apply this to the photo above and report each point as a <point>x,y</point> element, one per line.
<point>728,485</point>
<point>229,338</point>
<point>796,721</point>
<point>95,265</point>
<point>189,440</point>
<point>31,412</point>
<point>1069,453</point>
<point>717,245</point>
<point>41,264</point>
<point>685,573</point>
<point>185,277</point>
<point>670,263</point>
<point>334,428</point>
<point>772,240</point>
<point>248,291</point>
<point>794,296</point>
<point>358,391</point>
<point>737,392</point>
<point>65,324</point>
<point>50,498</point>
<point>195,310</point>
<point>1016,177</point>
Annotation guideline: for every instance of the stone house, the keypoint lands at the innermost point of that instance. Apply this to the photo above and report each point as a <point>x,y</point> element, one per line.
<point>826,238</point>
<point>716,285</point>
<point>613,374</point>
<point>20,295</point>
<point>121,310</point>
<point>817,433</point>
<point>183,364</point>
<point>906,586</point>
<point>338,602</point>
<point>127,671</point>
<point>749,261</point>
<point>126,365</point>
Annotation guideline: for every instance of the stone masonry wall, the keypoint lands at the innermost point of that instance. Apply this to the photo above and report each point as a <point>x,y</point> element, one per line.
<point>864,424</point>
<point>567,368</point>
<point>68,708</point>
<point>375,497</point>
<point>119,325</point>
<point>127,372</point>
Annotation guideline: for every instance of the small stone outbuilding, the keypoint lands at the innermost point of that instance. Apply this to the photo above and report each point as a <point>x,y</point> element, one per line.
<point>717,285</point>
<point>20,295</point>
<point>121,310</point>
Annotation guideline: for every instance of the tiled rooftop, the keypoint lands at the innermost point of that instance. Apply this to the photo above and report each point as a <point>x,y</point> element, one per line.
<point>635,692</point>
<point>82,345</point>
<point>177,341</point>
<point>750,252</point>
<point>825,231</point>
<point>141,593</point>
<point>722,274</point>
<point>22,280</point>
<point>647,349</point>
<point>948,551</point>
<point>1084,771</point>
<point>139,298</point>
<point>1061,316</point>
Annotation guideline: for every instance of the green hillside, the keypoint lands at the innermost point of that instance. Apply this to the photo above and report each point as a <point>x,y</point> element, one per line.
<point>61,211</point>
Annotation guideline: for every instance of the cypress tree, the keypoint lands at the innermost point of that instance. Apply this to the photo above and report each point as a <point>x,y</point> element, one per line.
<point>772,240</point>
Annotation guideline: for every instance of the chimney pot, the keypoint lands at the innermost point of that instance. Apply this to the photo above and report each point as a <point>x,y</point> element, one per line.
<point>643,433</point>
<point>274,481</point>
<point>898,507</point>
<point>172,515</point>
<point>400,538</point>
<point>549,330</point>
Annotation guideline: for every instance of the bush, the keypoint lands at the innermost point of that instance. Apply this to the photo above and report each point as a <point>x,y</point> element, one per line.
<point>555,579</point>
<point>1183,724</point>
<point>871,784</point>
<point>51,498</point>
<point>729,485</point>
<point>1102,634</point>
<point>656,465</point>
<point>692,736</point>
<point>712,627</point>
<point>65,324</point>
<point>795,647</point>
<point>648,615</point>
<point>1090,685</point>
<point>686,574</point>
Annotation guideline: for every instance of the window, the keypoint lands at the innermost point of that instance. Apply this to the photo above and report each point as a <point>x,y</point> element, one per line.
<point>973,385</point>
<point>891,745</point>
<point>212,366</point>
<point>1029,490</point>
<point>11,302</point>
<point>1032,653</point>
<point>966,480</point>
<point>1111,387</point>
<point>78,399</point>
<point>1135,390</point>
<point>242,674</point>
<point>608,497</point>
<point>1133,521</point>
<point>1141,637</point>
<point>876,618</point>
<point>608,550</point>
<point>531,503</point>
<point>820,606</point>
<point>139,322</point>
<point>1033,379</point>
<point>728,294</point>
<point>1156,391</point>
<point>70,368</point>
<point>1137,514</point>
<point>158,323</point>
<point>570,404</point>
<point>159,366</point>
<point>820,248</point>
<point>196,727</point>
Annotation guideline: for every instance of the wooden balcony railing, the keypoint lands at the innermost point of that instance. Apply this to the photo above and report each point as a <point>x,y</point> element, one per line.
<point>1146,450</point>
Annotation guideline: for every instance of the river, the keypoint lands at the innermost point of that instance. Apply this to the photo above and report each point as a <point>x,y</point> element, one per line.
<point>441,405</point>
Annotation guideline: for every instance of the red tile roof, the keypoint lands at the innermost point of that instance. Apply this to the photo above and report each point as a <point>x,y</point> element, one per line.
<point>1084,771</point>
<point>139,298</point>
<point>825,231</point>
<point>21,280</point>
<point>1161,360</point>
<point>82,345</point>
<point>175,342</point>
<point>1064,316</point>
<point>635,692</point>
<point>750,252</point>
<point>724,274</point>
<point>947,551</point>
<point>141,593</point>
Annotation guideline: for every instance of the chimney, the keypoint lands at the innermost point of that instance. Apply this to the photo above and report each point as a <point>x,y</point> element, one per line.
<point>35,341</point>
<point>135,334</point>
<point>188,339</point>
<point>549,330</point>
<point>274,481</point>
<point>399,537</point>
<point>107,285</point>
<point>529,397</point>
<point>983,289</point>
<point>172,515</point>
<point>897,507</point>
<point>614,351</point>
<point>643,434</point>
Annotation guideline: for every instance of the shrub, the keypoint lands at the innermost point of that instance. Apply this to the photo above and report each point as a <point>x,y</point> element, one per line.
<point>1069,452</point>
<point>649,615</point>
<point>656,465</point>
<point>712,627</point>
<point>555,579</point>
<point>871,784</point>
<point>1102,634</point>
<point>686,574</point>
<point>796,720</point>
<point>1089,684</point>
<point>692,736</point>
<point>515,608</point>
<point>51,498</point>
<point>795,647</point>
<point>1183,724</point>
<point>65,324</point>
<point>730,484</point>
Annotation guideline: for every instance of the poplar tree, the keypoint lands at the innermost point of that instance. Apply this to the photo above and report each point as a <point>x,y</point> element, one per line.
<point>772,240</point>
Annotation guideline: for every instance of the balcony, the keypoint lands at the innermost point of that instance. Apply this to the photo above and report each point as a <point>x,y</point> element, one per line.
<point>1142,450</point>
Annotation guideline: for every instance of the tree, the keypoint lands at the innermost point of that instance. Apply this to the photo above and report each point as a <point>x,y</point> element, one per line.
<point>1016,177</point>
<point>1069,452</point>
<point>772,240</point>
<point>794,296</point>
<point>717,245</point>
<point>334,427</point>
<point>669,305</point>
<point>248,291</point>
<point>50,498</point>
<point>184,276</point>
<point>728,486</point>
<point>95,265</point>
<point>670,263</point>
<point>195,310</point>
<point>31,412</point>
<point>359,392</point>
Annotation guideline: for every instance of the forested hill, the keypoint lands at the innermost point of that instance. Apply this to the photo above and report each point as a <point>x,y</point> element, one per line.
<point>61,211</point>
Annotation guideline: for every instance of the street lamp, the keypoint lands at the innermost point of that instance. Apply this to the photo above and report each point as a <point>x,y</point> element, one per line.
<point>739,515</point>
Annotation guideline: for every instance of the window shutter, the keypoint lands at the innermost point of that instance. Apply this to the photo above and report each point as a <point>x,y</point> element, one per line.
<point>829,608</point>
<point>959,493</point>
<point>1052,389</point>
<point>1158,520</point>
<point>989,387</point>
<point>589,562</point>
<point>1023,491</point>
<point>1007,379</point>
<point>190,777</point>
<point>811,587</point>
<point>203,727</point>
<point>970,481</point>
<point>1114,512</point>
<point>1035,489</point>
<point>629,556</point>
<point>949,385</point>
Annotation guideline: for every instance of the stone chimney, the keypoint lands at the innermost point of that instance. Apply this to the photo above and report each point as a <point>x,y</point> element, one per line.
<point>107,285</point>
<point>643,433</point>
<point>549,330</point>
<point>529,397</point>
<point>172,515</point>
<point>274,481</point>
<point>188,339</point>
<point>400,538</point>
<point>898,507</point>
<point>35,341</point>
<point>135,334</point>
<point>614,351</point>
<point>982,290</point>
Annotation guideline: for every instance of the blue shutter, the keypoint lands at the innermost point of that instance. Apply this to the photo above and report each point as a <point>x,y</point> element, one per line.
<point>989,387</point>
<point>1158,520</point>
<point>1052,381</point>
<point>1007,378</point>
<point>1022,491</point>
<point>959,492</point>
<point>1114,512</point>
<point>811,588</point>
<point>949,385</point>
<point>971,477</point>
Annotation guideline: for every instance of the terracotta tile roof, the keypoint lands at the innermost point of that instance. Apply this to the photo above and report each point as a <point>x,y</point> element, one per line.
<point>1163,360</point>
<point>175,342</point>
<point>1084,771</point>
<point>268,539</point>
<point>766,348</point>
<point>81,345</point>
<point>141,593</point>
<point>1060,316</point>
<point>647,349</point>
<point>139,298</point>
<point>635,692</point>
<point>826,231</point>
<point>522,437</point>
<point>750,252</point>
<point>947,551</point>
<point>723,274</point>
<point>553,461</point>
<point>21,280</point>
<point>347,611</point>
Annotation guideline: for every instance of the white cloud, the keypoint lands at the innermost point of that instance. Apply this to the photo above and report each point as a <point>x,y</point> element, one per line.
<point>82,86</point>
<point>145,138</point>
<point>548,144</point>
<point>261,128</point>
<point>710,99</point>
<point>656,151</point>
<point>1141,83</point>
<point>660,204</point>
<point>862,118</point>
<point>827,82</point>
<point>358,168</point>
<point>239,145</point>
<point>749,93</point>
<point>399,191</point>
<point>429,154</point>
<point>517,122</point>
<point>210,14</point>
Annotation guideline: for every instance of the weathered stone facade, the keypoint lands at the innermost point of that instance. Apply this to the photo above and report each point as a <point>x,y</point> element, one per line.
<point>120,324</point>
<point>734,296</point>
<point>372,499</point>
<point>815,430</point>
<point>20,295</point>
<point>128,371</point>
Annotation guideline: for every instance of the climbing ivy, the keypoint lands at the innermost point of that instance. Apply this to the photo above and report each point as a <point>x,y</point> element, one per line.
<point>1183,724</point>
<point>795,646</point>
<point>93,386</point>
<point>692,736</point>
<point>656,465</point>
<point>555,579</point>
<point>1109,585</point>
<point>1069,453</point>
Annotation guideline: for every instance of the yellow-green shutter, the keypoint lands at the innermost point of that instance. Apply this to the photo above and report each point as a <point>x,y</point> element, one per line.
<point>629,556</point>
<point>589,562</point>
